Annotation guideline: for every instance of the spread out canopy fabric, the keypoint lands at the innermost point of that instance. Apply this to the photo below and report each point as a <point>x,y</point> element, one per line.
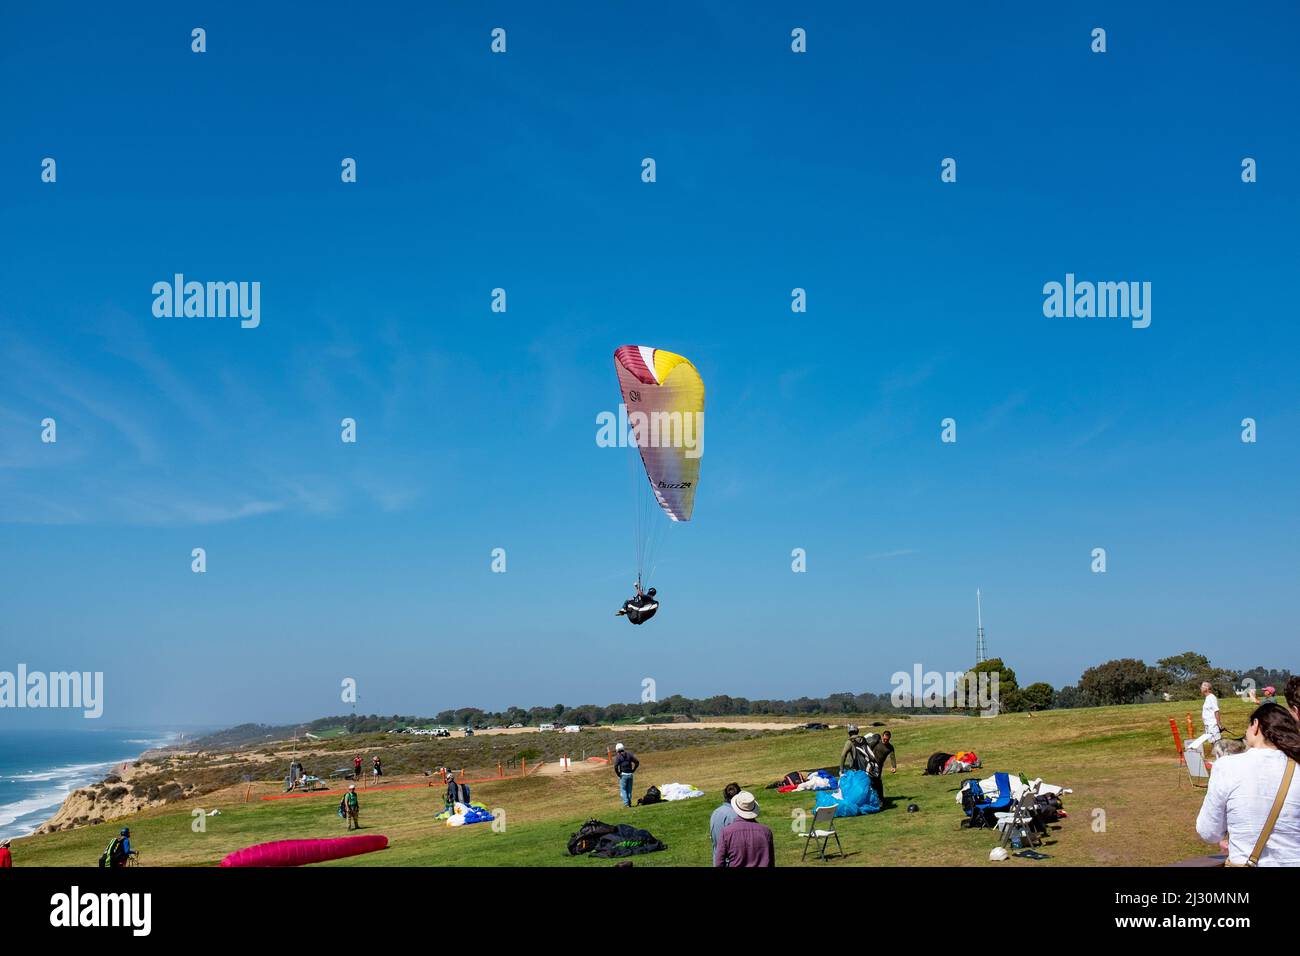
<point>856,796</point>
<point>302,852</point>
<point>664,398</point>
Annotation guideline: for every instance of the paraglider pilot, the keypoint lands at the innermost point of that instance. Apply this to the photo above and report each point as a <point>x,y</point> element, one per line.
<point>639,608</point>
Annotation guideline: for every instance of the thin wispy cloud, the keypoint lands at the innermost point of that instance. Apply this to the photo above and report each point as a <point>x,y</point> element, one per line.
<point>882,555</point>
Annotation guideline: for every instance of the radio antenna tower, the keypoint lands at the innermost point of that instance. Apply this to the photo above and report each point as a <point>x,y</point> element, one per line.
<point>981,652</point>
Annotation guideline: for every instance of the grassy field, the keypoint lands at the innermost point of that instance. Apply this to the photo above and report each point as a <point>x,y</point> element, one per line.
<point>1119,761</point>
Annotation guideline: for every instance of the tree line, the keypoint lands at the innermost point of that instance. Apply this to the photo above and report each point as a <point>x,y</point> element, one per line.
<point>1122,681</point>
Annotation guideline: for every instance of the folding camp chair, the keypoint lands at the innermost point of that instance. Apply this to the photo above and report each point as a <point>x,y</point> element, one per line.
<point>823,828</point>
<point>1197,768</point>
<point>981,808</point>
<point>1020,819</point>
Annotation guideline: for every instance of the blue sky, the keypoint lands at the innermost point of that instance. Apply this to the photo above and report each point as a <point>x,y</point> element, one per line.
<point>476,429</point>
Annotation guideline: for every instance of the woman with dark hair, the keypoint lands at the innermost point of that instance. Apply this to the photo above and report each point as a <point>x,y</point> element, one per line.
<point>1254,798</point>
<point>1292,693</point>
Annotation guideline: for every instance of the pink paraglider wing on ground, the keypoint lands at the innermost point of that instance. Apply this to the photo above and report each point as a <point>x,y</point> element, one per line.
<point>302,852</point>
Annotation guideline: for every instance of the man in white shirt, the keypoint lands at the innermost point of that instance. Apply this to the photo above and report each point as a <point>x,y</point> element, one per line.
<point>1209,719</point>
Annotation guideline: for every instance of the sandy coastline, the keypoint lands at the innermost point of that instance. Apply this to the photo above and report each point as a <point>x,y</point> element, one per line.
<point>119,793</point>
<point>110,797</point>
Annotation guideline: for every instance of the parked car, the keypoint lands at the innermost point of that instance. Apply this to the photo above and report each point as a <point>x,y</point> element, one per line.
<point>545,726</point>
<point>816,727</point>
<point>514,726</point>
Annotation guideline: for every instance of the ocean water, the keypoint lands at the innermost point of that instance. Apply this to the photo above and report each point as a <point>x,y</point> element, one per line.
<point>38,768</point>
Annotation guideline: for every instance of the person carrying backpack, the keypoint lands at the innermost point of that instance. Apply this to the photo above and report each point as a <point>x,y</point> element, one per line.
<point>456,792</point>
<point>118,852</point>
<point>881,750</point>
<point>625,765</point>
<point>857,753</point>
<point>351,807</point>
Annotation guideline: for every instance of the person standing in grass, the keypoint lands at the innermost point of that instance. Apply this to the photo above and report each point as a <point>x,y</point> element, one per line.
<point>352,807</point>
<point>724,814</point>
<point>886,752</point>
<point>874,767</point>
<point>119,852</point>
<point>1210,719</point>
<point>745,841</point>
<point>1243,796</point>
<point>625,765</point>
<point>456,792</point>
<point>6,858</point>
<point>857,753</point>
<point>882,750</point>
<point>356,767</point>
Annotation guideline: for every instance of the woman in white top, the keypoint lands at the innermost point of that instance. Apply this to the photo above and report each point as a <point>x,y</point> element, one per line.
<point>1243,787</point>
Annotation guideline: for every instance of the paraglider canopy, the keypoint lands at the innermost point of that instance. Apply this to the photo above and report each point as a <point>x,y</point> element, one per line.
<point>663,395</point>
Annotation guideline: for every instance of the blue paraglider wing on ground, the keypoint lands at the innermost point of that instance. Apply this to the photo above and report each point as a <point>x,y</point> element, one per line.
<point>856,795</point>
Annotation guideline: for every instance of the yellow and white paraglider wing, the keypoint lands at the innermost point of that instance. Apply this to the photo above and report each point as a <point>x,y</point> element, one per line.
<point>664,396</point>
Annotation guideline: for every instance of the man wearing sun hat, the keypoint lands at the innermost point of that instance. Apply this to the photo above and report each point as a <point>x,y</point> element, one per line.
<point>352,807</point>
<point>6,860</point>
<point>744,841</point>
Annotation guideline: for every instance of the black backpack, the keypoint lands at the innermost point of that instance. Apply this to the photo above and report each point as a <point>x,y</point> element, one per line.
<point>1047,808</point>
<point>588,837</point>
<point>112,852</point>
<point>652,795</point>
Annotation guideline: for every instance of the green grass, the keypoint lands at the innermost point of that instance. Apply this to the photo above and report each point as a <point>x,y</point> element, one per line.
<point>1118,760</point>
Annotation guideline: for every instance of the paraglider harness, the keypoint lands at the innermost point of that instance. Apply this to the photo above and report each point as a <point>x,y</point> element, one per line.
<point>863,758</point>
<point>114,854</point>
<point>456,793</point>
<point>588,837</point>
<point>642,607</point>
